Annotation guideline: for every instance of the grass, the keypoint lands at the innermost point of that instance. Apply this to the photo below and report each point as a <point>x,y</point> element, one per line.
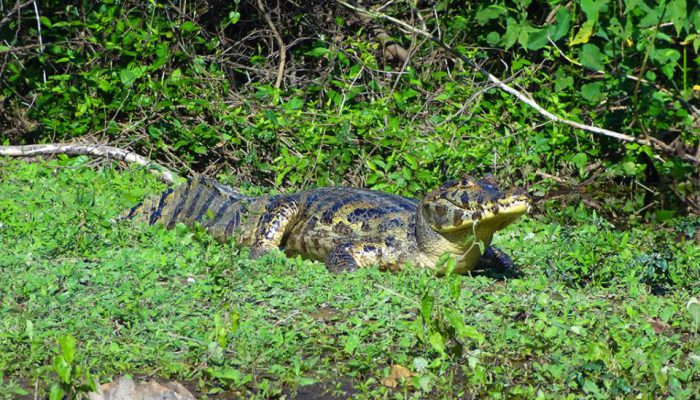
<point>597,313</point>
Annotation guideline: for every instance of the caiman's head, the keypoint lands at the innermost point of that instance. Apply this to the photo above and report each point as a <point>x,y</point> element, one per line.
<point>466,211</point>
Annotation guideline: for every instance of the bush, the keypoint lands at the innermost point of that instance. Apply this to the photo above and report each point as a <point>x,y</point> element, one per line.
<point>193,89</point>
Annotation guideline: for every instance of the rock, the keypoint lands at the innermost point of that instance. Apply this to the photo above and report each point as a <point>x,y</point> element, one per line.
<point>124,388</point>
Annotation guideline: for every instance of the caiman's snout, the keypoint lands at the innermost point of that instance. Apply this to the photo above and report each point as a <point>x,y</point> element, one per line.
<point>459,204</point>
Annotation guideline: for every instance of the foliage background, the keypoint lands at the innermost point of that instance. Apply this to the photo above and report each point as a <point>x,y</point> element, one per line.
<point>191,85</point>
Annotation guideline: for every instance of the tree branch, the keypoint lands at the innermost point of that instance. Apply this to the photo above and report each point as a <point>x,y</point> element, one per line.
<point>280,44</point>
<point>654,144</point>
<point>95,150</point>
<point>41,40</point>
<point>18,6</point>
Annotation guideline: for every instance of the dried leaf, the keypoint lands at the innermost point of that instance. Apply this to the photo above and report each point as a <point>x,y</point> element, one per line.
<point>658,325</point>
<point>396,374</point>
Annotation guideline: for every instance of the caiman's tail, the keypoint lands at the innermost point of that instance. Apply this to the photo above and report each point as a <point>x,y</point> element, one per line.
<point>190,202</point>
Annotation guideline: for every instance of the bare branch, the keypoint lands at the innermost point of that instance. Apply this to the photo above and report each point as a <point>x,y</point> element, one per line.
<point>525,98</point>
<point>280,43</point>
<point>18,6</point>
<point>95,150</point>
<point>41,40</point>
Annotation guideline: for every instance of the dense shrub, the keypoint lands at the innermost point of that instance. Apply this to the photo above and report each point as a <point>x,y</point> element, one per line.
<point>194,89</point>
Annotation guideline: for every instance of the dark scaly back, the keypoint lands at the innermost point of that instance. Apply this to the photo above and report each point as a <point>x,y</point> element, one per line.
<point>214,205</point>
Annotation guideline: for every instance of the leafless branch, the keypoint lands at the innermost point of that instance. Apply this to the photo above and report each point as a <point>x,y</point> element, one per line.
<point>280,44</point>
<point>95,150</point>
<point>18,6</point>
<point>41,40</point>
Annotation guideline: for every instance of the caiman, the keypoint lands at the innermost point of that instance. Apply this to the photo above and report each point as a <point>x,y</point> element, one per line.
<point>350,228</point>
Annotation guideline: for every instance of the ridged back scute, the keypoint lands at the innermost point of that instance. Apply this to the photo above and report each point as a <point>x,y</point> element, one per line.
<point>199,199</point>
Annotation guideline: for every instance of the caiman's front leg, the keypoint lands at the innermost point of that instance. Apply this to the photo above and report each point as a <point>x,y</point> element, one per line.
<point>349,256</point>
<point>274,224</point>
<point>497,260</point>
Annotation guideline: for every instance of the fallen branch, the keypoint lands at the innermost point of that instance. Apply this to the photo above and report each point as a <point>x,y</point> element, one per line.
<point>653,143</point>
<point>95,150</point>
<point>280,43</point>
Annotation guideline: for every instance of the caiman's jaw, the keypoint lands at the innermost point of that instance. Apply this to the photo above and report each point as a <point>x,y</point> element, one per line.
<point>475,205</point>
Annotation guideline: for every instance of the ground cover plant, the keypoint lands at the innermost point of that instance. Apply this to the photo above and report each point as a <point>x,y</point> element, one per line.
<point>282,96</point>
<point>597,312</point>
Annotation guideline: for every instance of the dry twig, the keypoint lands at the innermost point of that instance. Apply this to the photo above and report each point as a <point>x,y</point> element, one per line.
<point>280,43</point>
<point>41,40</point>
<point>18,6</point>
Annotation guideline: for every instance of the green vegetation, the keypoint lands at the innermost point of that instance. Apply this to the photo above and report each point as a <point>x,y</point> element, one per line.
<point>193,87</point>
<point>608,301</point>
<point>597,312</point>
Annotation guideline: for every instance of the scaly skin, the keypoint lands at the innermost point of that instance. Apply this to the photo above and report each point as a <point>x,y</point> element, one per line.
<point>350,228</point>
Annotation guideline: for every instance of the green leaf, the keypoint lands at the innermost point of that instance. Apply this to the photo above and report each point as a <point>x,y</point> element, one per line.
<point>464,331</point>
<point>295,103</point>
<point>176,75</point>
<point>584,33</point>
<point>537,38</point>
<point>561,28</point>
<point>67,344</point>
<point>426,308</point>
<point>62,368</point>
<point>629,168</point>
<point>678,13</point>
<point>351,343</point>
<point>652,15</point>
<point>667,60</point>
<point>592,8</point>
<point>591,91</point>
<point>225,373</point>
<point>56,393</point>
<point>579,160</point>
<point>591,57</point>
<point>306,381</point>
<point>524,35</point>
<point>410,160</point>
<point>512,33</point>
<point>317,52</point>
<point>104,85</point>
<point>523,4</point>
<point>234,17</point>
<point>437,342</point>
<point>562,81</point>
<point>162,55</point>
<point>188,26</point>
<point>129,76</point>
<point>491,12</point>
<point>45,21</point>
<point>493,38</point>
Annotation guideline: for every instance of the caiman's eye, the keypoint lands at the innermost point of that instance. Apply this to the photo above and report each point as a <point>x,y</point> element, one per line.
<point>449,184</point>
<point>467,180</point>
